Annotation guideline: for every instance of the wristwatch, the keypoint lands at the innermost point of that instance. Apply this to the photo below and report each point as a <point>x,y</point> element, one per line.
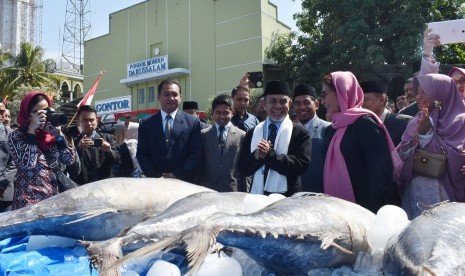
<point>60,138</point>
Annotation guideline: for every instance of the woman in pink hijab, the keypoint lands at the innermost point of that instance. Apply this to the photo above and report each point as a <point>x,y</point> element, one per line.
<point>439,127</point>
<point>35,181</point>
<point>361,158</point>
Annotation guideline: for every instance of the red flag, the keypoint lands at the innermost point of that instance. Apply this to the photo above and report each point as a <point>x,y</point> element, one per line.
<point>90,94</point>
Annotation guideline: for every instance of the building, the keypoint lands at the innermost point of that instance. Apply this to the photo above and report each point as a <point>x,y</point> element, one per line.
<point>21,21</point>
<point>207,45</point>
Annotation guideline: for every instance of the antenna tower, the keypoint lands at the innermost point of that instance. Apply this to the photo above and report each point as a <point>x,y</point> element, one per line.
<point>76,31</point>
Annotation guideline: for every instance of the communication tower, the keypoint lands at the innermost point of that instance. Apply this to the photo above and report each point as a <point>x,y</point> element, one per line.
<point>76,32</point>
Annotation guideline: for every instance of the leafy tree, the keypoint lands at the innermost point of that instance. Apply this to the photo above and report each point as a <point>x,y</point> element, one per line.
<point>356,35</point>
<point>27,68</point>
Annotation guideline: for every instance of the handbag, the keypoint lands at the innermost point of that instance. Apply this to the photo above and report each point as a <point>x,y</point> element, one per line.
<point>429,164</point>
<point>64,182</point>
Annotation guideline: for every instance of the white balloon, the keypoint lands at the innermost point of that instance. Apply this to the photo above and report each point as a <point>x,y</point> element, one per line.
<point>276,197</point>
<point>389,221</point>
<point>221,265</point>
<point>255,202</point>
<point>163,268</point>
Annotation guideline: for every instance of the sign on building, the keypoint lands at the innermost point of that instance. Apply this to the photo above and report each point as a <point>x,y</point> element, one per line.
<point>153,65</point>
<point>114,105</point>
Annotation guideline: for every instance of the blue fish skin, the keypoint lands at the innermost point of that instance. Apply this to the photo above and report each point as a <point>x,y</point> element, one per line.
<point>98,210</point>
<point>290,236</point>
<point>432,244</point>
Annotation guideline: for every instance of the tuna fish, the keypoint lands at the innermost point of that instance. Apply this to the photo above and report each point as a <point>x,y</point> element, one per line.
<point>98,210</point>
<point>432,244</point>
<point>290,236</point>
<point>183,214</point>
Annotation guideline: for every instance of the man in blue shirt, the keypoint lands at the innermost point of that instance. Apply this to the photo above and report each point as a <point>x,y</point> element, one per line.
<point>242,119</point>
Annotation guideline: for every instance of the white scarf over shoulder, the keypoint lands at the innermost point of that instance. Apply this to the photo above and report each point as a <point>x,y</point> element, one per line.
<point>275,182</point>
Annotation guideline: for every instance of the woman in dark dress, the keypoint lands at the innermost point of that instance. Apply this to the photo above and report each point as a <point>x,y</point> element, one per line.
<point>360,158</point>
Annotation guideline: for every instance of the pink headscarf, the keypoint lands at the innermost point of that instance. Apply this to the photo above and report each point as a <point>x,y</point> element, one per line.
<point>45,140</point>
<point>350,99</point>
<point>449,123</point>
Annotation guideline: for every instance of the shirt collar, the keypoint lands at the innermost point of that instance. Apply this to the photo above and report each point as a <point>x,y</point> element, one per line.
<point>226,127</point>
<point>164,114</point>
<point>383,116</point>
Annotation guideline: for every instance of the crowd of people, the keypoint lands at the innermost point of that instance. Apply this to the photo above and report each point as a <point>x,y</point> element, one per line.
<point>363,150</point>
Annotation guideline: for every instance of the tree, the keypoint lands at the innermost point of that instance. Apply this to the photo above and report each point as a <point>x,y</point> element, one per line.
<point>27,68</point>
<point>354,35</point>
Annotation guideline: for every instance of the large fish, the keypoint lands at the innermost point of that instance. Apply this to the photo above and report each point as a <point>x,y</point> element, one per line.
<point>98,210</point>
<point>432,244</point>
<point>183,214</point>
<point>290,236</point>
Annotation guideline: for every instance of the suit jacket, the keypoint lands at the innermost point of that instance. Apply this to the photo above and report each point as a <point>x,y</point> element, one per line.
<point>411,110</point>
<point>183,154</point>
<point>7,166</point>
<point>219,167</point>
<point>369,164</point>
<point>95,164</point>
<point>312,179</point>
<point>292,165</point>
<point>396,124</point>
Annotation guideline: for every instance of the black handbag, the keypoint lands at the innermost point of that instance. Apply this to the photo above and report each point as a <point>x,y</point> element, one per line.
<point>64,182</point>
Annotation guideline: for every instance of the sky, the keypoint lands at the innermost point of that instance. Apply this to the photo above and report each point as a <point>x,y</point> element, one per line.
<point>53,19</point>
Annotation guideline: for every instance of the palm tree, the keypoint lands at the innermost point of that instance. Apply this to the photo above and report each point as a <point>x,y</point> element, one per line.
<point>27,68</point>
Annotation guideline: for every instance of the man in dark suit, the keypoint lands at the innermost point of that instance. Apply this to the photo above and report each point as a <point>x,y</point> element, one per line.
<point>412,107</point>
<point>305,105</point>
<point>276,152</point>
<point>97,151</point>
<point>7,166</point>
<point>169,144</point>
<point>375,100</point>
<point>221,143</point>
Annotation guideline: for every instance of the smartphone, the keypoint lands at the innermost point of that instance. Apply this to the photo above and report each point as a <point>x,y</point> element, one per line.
<point>97,142</point>
<point>256,78</point>
<point>450,31</point>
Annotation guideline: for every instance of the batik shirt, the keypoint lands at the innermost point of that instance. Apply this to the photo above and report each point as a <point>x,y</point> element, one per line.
<point>35,180</point>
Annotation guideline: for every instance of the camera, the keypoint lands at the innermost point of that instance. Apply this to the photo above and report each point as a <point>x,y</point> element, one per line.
<point>256,78</point>
<point>55,118</point>
<point>71,132</point>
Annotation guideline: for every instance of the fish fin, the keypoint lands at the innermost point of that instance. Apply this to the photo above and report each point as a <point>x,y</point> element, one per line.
<point>199,240</point>
<point>328,241</point>
<point>104,254</point>
<point>164,244</point>
<point>426,271</point>
<point>347,251</point>
<point>89,216</point>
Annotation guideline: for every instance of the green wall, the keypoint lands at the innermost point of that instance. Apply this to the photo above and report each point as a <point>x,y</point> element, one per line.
<point>217,40</point>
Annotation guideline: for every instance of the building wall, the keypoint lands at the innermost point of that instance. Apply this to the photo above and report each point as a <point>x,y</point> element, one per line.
<point>218,41</point>
<point>19,23</point>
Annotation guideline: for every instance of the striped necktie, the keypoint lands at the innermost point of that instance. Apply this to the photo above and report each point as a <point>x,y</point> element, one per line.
<point>167,129</point>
